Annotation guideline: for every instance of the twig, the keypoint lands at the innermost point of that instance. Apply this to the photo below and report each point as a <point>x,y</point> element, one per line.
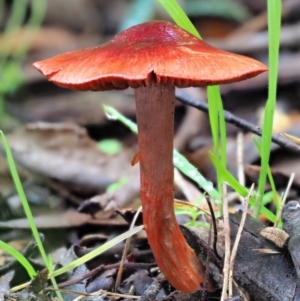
<point>243,296</point>
<point>227,242</point>
<point>284,199</point>
<point>206,280</point>
<point>239,122</point>
<point>237,239</point>
<point>91,273</point>
<point>62,191</point>
<point>103,292</point>
<point>126,248</point>
<point>215,228</point>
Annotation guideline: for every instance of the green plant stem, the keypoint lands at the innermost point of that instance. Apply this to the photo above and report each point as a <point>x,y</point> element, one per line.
<point>28,213</point>
<point>18,11</point>
<point>11,59</point>
<point>240,189</point>
<point>274,24</point>
<point>22,196</point>
<point>276,198</point>
<point>96,251</point>
<point>38,10</point>
<point>218,128</point>
<point>20,257</point>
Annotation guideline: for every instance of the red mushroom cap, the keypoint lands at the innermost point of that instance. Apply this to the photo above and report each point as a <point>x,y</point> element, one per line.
<point>156,51</point>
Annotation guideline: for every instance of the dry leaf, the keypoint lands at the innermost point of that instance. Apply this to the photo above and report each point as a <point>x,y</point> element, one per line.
<point>66,153</point>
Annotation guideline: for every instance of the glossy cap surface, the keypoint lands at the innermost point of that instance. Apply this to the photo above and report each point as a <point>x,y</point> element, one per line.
<point>156,51</point>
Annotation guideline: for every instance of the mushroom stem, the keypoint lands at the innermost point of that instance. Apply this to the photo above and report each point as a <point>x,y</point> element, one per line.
<point>155,119</point>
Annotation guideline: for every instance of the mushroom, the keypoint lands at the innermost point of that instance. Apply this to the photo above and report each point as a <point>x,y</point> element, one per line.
<point>153,58</point>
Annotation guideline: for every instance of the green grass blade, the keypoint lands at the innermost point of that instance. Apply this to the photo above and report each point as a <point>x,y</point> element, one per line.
<point>19,257</point>
<point>22,196</point>
<point>274,25</point>
<point>38,10</point>
<point>193,173</point>
<point>213,114</point>
<point>236,186</point>
<point>97,251</point>
<point>18,12</point>
<point>215,90</point>
<point>276,198</point>
<point>113,114</point>
<point>21,193</point>
<point>218,128</point>
<point>54,283</point>
<point>179,16</point>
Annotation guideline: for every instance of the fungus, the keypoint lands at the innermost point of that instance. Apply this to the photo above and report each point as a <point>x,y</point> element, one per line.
<point>153,58</point>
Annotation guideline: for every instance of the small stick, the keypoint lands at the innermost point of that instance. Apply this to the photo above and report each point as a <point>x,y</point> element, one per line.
<point>227,242</point>
<point>239,122</point>
<point>126,248</point>
<point>91,273</point>
<point>204,291</point>
<point>215,228</point>
<point>279,213</point>
<point>243,296</point>
<point>237,239</point>
<point>103,292</point>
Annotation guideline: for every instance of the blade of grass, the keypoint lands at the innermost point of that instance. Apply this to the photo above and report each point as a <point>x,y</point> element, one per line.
<point>21,193</point>
<point>54,283</point>
<point>218,128</point>
<point>179,16</point>
<point>12,57</point>
<point>84,258</point>
<point>38,10</point>
<point>276,197</point>
<point>274,24</point>
<point>28,213</point>
<point>113,114</point>
<point>193,173</point>
<point>19,257</point>
<point>97,251</point>
<point>217,123</point>
<point>236,186</point>
<point>18,12</point>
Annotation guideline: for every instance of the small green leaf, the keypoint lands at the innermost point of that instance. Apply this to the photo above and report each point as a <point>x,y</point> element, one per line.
<point>96,251</point>
<point>114,186</point>
<point>110,146</point>
<point>19,257</point>
<point>240,189</point>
